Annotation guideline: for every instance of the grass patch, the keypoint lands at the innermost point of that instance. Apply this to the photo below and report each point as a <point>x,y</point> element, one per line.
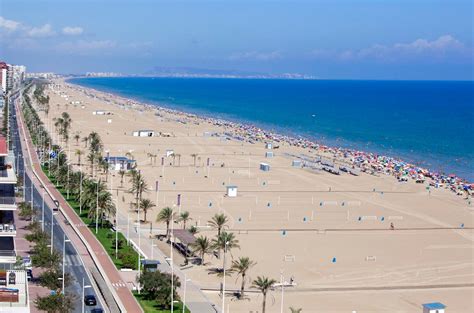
<point>150,306</point>
<point>128,257</point>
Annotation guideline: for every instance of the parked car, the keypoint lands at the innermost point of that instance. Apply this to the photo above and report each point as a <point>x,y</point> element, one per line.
<point>97,310</point>
<point>90,300</point>
<point>29,274</point>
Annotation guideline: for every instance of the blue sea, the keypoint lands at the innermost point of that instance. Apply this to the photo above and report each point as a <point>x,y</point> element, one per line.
<point>430,123</point>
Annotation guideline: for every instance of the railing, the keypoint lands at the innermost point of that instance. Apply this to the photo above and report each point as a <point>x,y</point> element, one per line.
<point>7,253</point>
<point>7,200</point>
<point>7,228</point>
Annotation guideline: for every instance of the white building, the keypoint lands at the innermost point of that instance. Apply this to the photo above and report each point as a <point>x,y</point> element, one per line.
<point>231,191</point>
<point>143,133</point>
<point>434,307</point>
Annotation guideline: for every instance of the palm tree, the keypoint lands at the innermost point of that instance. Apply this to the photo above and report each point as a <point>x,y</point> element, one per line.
<point>85,140</point>
<point>263,284</point>
<point>241,266</point>
<point>218,221</point>
<point>202,246</point>
<point>184,217</point>
<point>166,215</point>
<point>293,310</point>
<point>139,186</point>
<point>225,241</point>
<point>95,143</point>
<point>194,156</point>
<point>145,205</point>
<point>76,138</point>
<point>79,153</point>
<point>122,174</point>
<point>96,197</point>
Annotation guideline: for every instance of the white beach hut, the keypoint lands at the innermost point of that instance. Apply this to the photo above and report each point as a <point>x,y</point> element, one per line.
<point>296,163</point>
<point>98,112</point>
<point>268,145</point>
<point>269,154</point>
<point>169,152</point>
<point>231,191</point>
<point>144,133</point>
<point>434,307</point>
<point>265,167</point>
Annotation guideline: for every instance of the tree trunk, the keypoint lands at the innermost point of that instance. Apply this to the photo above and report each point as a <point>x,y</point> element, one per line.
<point>242,288</point>
<point>264,302</point>
<point>144,215</point>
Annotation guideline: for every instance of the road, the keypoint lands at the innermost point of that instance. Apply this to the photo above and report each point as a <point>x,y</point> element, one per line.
<point>73,261</point>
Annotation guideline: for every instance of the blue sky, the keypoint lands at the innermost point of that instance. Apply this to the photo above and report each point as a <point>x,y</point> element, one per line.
<point>336,39</point>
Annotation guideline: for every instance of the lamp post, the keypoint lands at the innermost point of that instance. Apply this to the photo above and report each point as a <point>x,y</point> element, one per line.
<point>97,208</point>
<point>223,279</point>
<point>64,257</point>
<point>172,263</point>
<point>282,290</point>
<point>184,293</point>
<point>83,288</point>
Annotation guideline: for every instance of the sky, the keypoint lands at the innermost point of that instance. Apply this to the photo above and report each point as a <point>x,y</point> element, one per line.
<point>330,39</point>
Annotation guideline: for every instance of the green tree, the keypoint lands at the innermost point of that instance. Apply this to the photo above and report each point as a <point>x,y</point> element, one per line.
<point>51,278</point>
<point>263,284</point>
<point>241,266</point>
<point>145,205</point>
<point>225,241</point>
<point>202,246</point>
<point>157,286</point>
<point>293,310</point>
<point>165,216</point>
<point>184,217</point>
<point>57,303</point>
<point>218,221</point>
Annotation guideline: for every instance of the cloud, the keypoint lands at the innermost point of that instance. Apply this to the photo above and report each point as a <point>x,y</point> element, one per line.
<point>420,48</point>
<point>72,30</point>
<point>85,47</point>
<point>9,25</point>
<point>43,31</point>
<point>254,55</point>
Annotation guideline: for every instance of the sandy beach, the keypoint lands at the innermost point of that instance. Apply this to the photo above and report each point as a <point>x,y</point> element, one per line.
<point>330,234</point>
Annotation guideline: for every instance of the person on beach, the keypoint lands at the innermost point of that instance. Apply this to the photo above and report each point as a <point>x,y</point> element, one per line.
<point>392,227</point>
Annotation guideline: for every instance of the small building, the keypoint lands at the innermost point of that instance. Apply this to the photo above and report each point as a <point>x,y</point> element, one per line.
<point>434,307</point>
<point>169,152</point>
<point>120,163</point>
<point>296,163</point>
<point>144,133</point>
<point>231,191</point>
<point>268,145</point>
<point>264,167</point>
<point>269,154</point>
<point>98,112</point>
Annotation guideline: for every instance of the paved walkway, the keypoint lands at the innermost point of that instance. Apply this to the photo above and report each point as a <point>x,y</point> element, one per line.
<point>90,244</point>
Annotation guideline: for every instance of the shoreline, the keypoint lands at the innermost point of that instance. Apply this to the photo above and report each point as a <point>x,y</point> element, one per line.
<point>371,162</point>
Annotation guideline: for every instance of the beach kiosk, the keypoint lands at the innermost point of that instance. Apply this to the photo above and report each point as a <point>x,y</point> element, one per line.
<point>296,163</point>
<point>434,307</point>
<point>143,133</point>
<point>98,112</point>
<point>268,145</point>
<point>265,167</point>
<point>269,154</point>
<point>231,191</point>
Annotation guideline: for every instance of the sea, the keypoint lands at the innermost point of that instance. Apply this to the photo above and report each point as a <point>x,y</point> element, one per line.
<point>428,123</point>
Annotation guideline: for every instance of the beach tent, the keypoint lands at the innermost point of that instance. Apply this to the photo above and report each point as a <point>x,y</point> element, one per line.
<point>434,307</point>
<point>169,152</point>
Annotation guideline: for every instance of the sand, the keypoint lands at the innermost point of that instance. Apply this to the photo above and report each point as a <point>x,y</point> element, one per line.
<point>327,232</point>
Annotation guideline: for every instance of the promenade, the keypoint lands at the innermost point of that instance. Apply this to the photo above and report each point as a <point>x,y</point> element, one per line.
<point>79,233</point>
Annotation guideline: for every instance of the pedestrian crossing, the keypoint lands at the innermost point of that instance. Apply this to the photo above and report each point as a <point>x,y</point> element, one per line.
<point>119,284</point>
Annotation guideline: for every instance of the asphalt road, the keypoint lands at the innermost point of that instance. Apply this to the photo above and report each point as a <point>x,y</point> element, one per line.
<point>73,262</point>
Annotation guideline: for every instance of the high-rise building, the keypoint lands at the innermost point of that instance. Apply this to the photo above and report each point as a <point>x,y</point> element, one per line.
<point>3,77</point>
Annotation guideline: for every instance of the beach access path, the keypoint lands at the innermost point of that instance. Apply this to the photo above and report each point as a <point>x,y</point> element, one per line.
<point>91,247</point>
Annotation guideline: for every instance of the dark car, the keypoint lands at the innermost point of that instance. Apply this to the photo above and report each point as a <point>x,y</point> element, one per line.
<point>97,310</point>
<point>90,300</point>
<point>29,274</point>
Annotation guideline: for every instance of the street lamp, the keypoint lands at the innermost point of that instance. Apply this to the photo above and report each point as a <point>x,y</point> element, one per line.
<point>97,207</point>
<point>184,294</point>
<point>282,290</point>
<point>223,279</point>
<point>64,256</point>
<point>83,288</point>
